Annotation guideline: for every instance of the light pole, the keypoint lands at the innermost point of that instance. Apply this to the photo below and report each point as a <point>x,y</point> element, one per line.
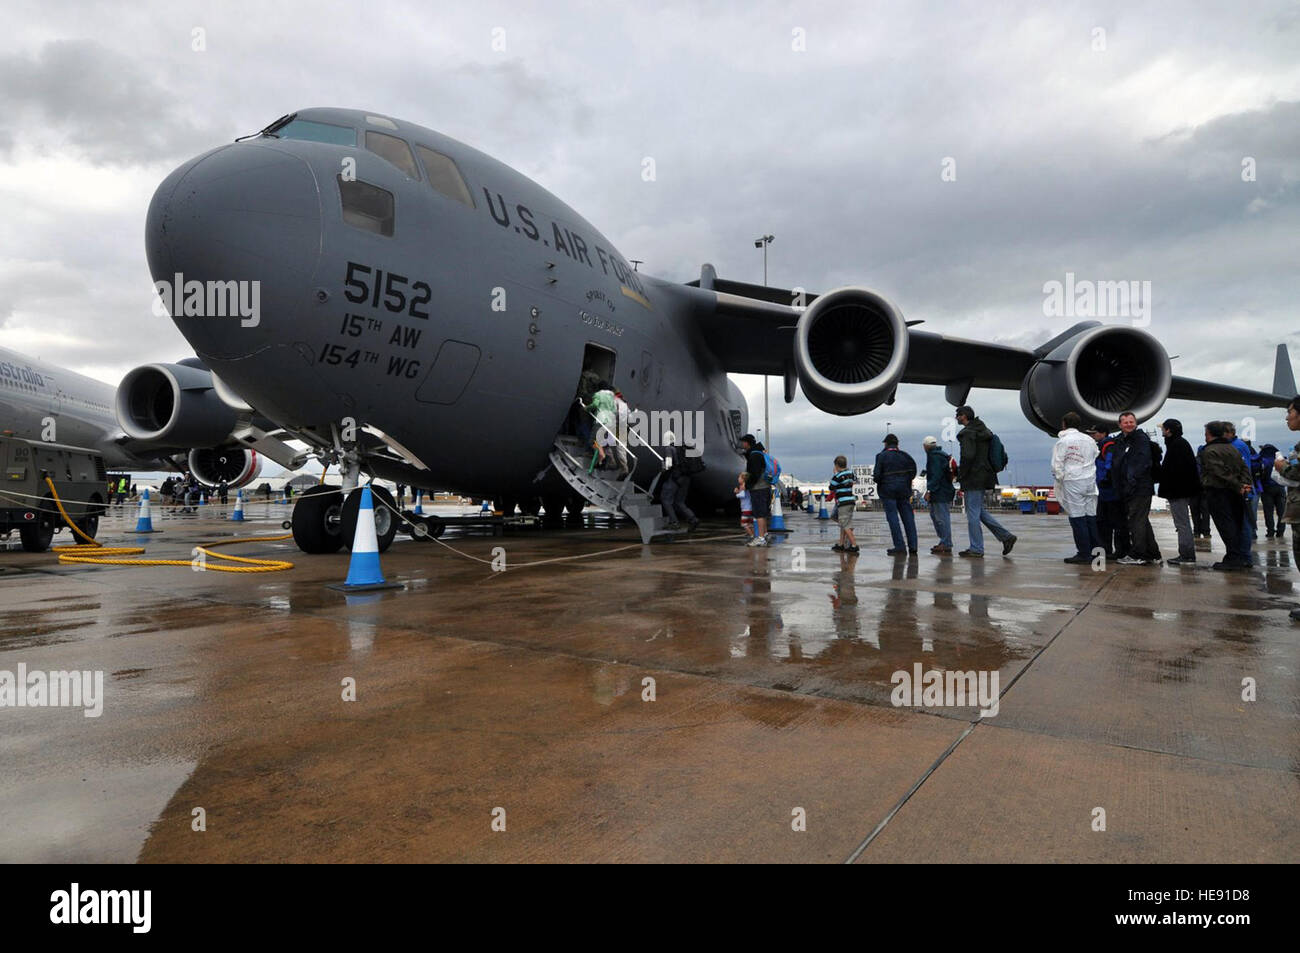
<point>762,242</point>
<point>854,448</point>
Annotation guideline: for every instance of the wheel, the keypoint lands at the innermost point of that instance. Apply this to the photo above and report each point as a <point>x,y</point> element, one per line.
<point>574,505</point>
<point>505,505</point>
<point>385,516</point>
<point>317,526</point>
<point>37,534</point>
<point>89,524</point>
<point>433,526</point>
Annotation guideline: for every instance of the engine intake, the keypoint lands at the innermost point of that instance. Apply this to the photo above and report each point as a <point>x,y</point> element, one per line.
<point>234,466</point>
<point>1099,374</point>
<point>850,351</point>
<point>173,405</point>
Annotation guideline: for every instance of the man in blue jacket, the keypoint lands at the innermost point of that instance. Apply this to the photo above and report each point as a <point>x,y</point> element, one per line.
<point>1247,523</point>
<point>1272,493</point>
<point>1110,512</point>
<point>894,471</point>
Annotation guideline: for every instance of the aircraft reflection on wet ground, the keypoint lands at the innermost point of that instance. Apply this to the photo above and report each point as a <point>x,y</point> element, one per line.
<point>671,702</point>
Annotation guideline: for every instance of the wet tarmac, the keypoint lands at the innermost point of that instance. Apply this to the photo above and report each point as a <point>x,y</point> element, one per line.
<point>689,701</point>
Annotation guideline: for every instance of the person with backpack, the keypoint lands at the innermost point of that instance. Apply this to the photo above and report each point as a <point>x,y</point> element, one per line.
<point>1074,468</point>
<point>939,493</point>
<point>894,471</point>
<point>1134,472</point>
<point>1272,494</point>
<point>1180,484</point>
<point>1247,522</point>
<point>760,475</point>
<point>675,484</point>
<point>982,458</point>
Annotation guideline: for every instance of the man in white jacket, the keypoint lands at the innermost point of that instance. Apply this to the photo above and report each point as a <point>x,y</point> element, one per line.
<point>1074,467</point>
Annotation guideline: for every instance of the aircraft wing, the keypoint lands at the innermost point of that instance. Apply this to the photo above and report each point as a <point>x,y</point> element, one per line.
<point>751,331</point>
<point>1188,388</point>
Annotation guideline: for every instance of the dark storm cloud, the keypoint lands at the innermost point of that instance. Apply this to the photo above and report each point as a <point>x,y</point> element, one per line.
<point>1122,162</point>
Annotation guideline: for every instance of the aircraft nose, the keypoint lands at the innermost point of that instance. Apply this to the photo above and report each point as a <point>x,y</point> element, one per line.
<point>247,213</point>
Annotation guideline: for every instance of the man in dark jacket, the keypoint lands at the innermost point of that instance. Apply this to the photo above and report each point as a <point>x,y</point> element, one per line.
<point>675,484</point>
<point>939,494</point>
<point>1180,484</point>
<point>894,471</point>
<point>1131,474</point>
<point>975,473</point>
<point>1226,479</point>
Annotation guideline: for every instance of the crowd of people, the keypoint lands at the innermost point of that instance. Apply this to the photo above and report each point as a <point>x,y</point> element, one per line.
<point>1105,481</point>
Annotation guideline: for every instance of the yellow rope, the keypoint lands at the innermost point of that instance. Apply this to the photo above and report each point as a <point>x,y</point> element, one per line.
<point>81,552</point>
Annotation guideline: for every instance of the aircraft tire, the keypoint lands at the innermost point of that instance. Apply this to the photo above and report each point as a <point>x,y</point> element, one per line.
<point>505,505</point>
<point>575,505</point>
<point>530,505</point>
<point>317,523</point>
<point>37,535</point>
<point>385,517</point>
<point>433,526</point>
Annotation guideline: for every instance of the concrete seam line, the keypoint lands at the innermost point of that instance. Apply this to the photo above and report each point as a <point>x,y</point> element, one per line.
<point>971,727</point>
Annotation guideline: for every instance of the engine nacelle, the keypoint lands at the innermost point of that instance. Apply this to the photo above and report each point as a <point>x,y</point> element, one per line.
<point>173,405</point>
<point>1099,374</point>
<point>850,351</point>
<point>236,466</point>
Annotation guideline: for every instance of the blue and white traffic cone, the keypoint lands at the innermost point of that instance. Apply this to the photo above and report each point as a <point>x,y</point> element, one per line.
<point>144,522</point>
<point>809,507</point>
<point>821,512</point>
<point>777,523</point>
<point>203,499</point>
<point>238,515</point>
<point>363,571</point>
<point>419,505</point>
<point>487,507</point>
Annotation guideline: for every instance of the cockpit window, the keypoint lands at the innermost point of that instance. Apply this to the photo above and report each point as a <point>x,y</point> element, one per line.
<point>444,176</point>
<point>318,132</point>
<point>394,150</point>
<point>367,206</point>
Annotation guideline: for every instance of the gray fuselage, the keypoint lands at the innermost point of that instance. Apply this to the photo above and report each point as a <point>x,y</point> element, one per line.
<point>461,334</point>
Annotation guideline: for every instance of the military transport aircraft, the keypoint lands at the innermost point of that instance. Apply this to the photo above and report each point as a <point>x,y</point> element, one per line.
<point>39,401</point>
<point>427,312</point>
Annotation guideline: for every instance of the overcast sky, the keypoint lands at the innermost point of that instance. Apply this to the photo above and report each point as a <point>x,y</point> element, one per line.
<point>1105,139</point>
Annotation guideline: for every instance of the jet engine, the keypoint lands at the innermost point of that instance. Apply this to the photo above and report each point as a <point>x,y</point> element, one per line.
<point>850,350</point>
<point>173,405</point>
<point>236,466</point>
<point>1099,374</point>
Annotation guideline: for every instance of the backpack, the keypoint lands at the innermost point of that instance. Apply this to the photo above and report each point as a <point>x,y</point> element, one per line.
<point>693,465</point>
<point>771,468</point>
<point>1257,468</point>
<point>998,458</point>
<point>1157,454</point>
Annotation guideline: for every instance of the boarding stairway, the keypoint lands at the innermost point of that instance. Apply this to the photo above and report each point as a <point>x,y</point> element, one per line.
<point>605,492</point>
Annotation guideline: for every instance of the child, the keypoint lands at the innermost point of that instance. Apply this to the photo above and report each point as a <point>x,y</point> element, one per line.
<point>746,507</point>
<point>841,487</point>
